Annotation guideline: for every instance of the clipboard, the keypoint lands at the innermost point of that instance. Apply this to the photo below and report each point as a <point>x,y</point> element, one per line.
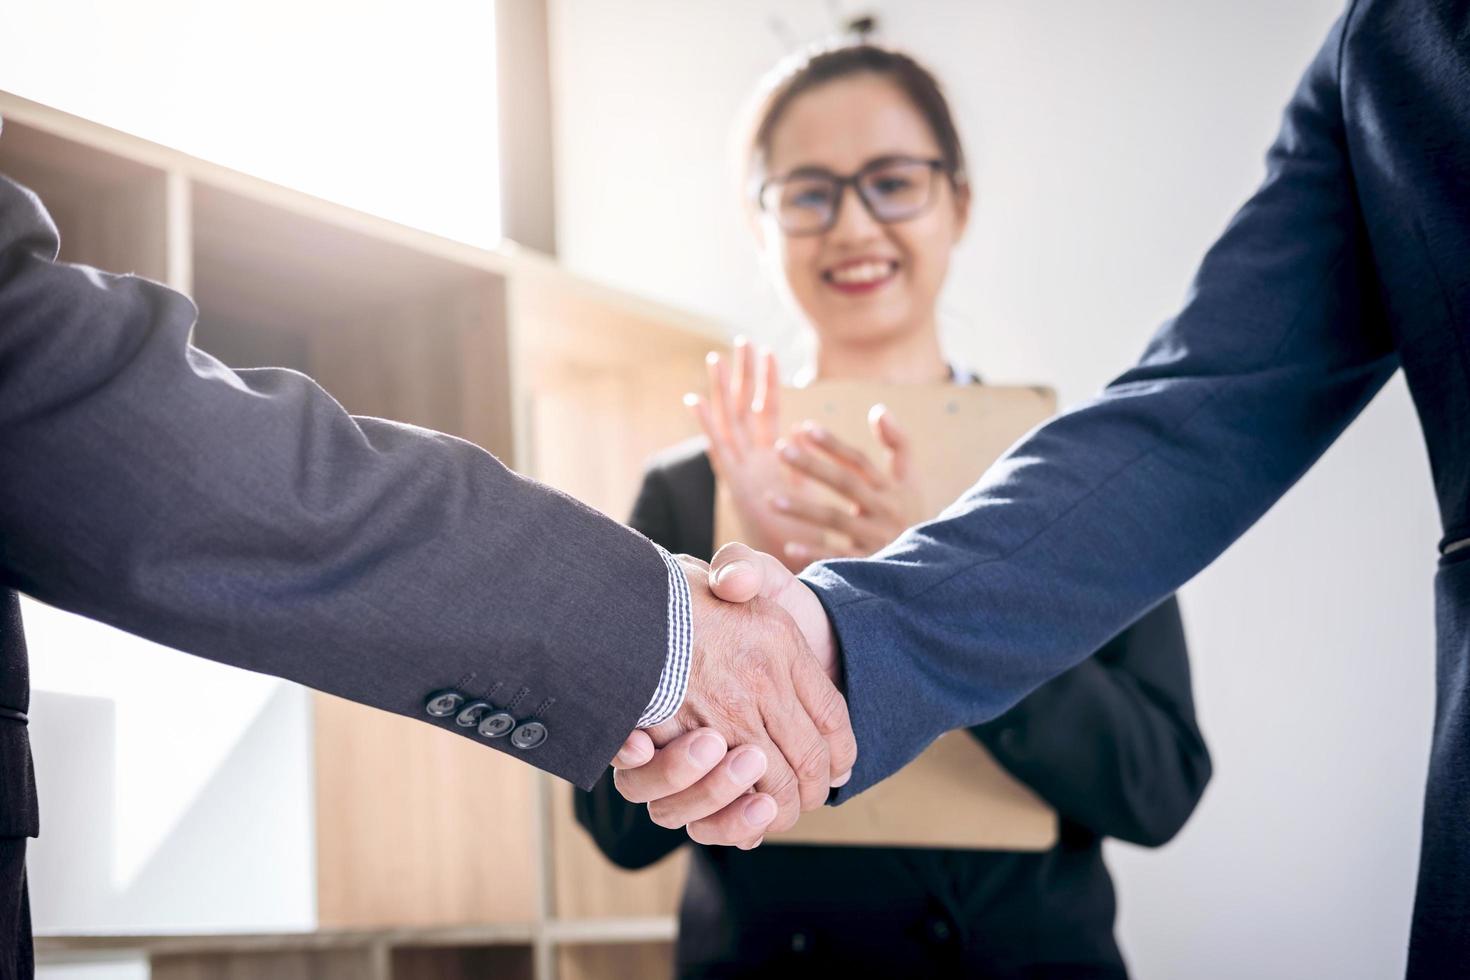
<point>954,795</point>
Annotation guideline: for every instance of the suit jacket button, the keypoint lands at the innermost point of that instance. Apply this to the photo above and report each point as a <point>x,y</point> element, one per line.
<point>442,704</point>
<point>528,735</point>
<point>469,715</point>
<point>496,724</point>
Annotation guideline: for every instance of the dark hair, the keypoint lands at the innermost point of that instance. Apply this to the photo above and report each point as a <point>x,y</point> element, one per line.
<point>818,65</point>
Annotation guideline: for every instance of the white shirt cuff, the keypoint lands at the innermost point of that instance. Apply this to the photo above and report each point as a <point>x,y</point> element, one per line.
<point>674,680</point>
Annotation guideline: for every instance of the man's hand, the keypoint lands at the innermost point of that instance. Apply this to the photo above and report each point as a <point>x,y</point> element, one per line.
<point>691,782</point>
<point>742,574</point>
<point>694,772</point>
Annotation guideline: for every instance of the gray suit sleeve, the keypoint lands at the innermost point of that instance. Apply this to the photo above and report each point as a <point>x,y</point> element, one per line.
<point>245,517</point>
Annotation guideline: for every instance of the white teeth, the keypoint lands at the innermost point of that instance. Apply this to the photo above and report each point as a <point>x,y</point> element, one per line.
<point>862,272</point>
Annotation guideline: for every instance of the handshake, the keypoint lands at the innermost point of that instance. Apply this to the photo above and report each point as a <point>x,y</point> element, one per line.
<point>763,732</point>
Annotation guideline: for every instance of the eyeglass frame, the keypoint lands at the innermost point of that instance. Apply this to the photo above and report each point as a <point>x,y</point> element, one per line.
<point>936,165</point>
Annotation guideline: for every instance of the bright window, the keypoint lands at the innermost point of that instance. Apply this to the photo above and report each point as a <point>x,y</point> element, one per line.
<point>386,107</point>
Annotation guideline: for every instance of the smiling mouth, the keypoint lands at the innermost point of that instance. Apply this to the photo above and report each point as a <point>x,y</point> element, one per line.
<point>858,277</point>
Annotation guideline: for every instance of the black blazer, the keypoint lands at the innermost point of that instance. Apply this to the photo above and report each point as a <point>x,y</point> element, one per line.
<point>1112,744</point>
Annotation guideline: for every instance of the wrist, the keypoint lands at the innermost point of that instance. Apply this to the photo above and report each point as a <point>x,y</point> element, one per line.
<point>816,629</point>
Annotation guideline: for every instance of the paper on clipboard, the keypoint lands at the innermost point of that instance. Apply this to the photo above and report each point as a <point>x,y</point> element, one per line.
<point>954,795</point>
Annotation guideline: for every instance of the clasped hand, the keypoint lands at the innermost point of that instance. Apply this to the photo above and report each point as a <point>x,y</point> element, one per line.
<point>807,495</point>
<point>766,673</point>
<point>764,678</point>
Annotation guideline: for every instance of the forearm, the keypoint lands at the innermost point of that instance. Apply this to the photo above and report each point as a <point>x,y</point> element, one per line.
<point>1061,546</point>
<point>243,516</point>
<point>1109,508</point>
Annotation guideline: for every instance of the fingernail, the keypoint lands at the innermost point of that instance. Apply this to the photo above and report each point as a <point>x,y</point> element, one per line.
<point>740,341</point>
<point>842,780</point>
<point>739,565</point>
<point>780,503</point>
<point>815,430</point>
<point>748,766</point>
<point>795,550</point>
<point>760,811</point>
<point>690,399</point>
<point>713,357</point>
<point>790,452</point>
<point>706,750</point>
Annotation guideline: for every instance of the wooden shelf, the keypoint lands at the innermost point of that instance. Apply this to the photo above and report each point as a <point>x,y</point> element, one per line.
<point>565,931</point>
<point>505,951</point>
<point>519,934</point>
<point>463,863</point>
<point>574,932</point>
<point>593,892</point>
<point>265,259</point>
<point>111,210</point>
<point>613,948</point>
<point>651,960</point>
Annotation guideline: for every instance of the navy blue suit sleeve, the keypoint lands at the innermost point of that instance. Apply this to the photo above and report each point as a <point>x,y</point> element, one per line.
<point>1107,509</point>
<point>1113,744</point>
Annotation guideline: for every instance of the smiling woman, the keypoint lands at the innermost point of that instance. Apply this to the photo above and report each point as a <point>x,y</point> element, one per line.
<point>870,272</point>
<point>858,194</point>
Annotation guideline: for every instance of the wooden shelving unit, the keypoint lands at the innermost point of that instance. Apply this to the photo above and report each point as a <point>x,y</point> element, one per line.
<point>616,948</point>
<point>435,857</point>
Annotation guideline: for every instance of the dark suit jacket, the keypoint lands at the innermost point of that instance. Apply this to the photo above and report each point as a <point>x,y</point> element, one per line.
<point>244,517</point>
<point>1352,258</point>
<point>1112,745</point>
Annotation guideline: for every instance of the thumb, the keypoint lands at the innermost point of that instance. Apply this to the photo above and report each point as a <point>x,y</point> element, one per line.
<point>636,750</point>
<point>739,573</point>
<point>892,437</point>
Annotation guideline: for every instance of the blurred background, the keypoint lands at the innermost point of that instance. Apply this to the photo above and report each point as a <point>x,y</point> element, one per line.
<point>556,179</point>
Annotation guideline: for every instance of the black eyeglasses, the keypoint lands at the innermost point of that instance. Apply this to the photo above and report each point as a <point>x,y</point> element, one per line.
<point>892,189</point>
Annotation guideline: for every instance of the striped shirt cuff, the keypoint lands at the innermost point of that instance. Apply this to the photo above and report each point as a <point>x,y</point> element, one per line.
<point>674,680</point>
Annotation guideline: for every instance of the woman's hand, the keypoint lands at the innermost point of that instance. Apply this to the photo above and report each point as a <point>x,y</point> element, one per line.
<point>741,418</point>
<point>880,503</point>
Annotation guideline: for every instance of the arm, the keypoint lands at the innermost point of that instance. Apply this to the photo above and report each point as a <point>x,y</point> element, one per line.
<point>1104,511</point>
<point>1112,744</point>
<point>244,517</point>
<point>624,831</point>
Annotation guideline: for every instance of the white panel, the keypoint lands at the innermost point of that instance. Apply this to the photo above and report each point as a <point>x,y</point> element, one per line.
<point>387,107</point>
<point>123,967</point>
<point>175,792</point>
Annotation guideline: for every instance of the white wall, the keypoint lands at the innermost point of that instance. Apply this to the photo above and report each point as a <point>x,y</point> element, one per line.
<point>176,793</point>
<point>376,104</point>
<point>1111,142</point>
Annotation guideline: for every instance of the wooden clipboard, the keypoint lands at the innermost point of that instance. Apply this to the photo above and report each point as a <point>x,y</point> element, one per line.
<point>954,795</point>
